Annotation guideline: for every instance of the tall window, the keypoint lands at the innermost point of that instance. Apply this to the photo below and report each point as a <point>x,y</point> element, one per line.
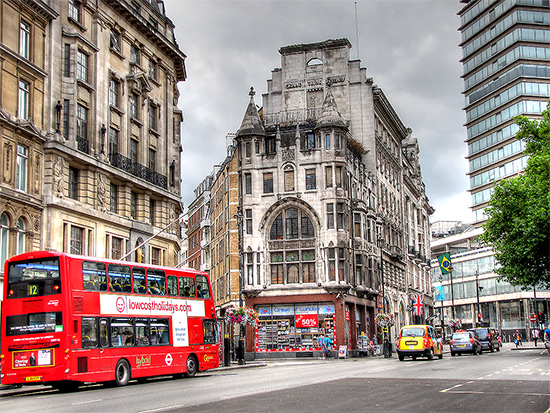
<point>24,97</point>
<point>25,39</point>
<point>113,205</point>
<point>337,143</point>
<point>289,178</point>
<point>21,236</point>
<point>248,220</point>
<point>115,40</point>
<point>328,176</point>
<point>292,262</point>
<point>77,240</point>
<point>357,225</point>
<point>340,214</point>
<point>133,205</point>
<point>153,109</point>
<point>82,66</point>
<point>134,105</point>
<point>338,173</point>
<point>66,113</point>
<point>133,151</point>
<point>81,122</point>
<point>268,183</point>
<point>22,167</point>
<point>134,54</point>
<point>4,239</point>
<point>327,141</point>
<point>116,248</point>
<point>330,216</point>
<point>153,69</point>
<point>152,159</point>
<point>114,88</point>
<point>67,60</point>
<point>73,183</point>
<point>248,184</point>
<point>155,256</point>
<point>75,10</point>
<point>331,264</point>
<point>113,141</point>
<point>311,180</point>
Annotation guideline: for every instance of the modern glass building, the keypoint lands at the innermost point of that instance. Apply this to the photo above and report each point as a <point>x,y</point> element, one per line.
<point>506,57</point>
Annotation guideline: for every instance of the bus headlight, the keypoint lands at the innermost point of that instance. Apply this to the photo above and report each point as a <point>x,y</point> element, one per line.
<point>67,371</point>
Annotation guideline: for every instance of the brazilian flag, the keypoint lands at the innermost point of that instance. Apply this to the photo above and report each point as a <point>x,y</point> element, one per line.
<point>445,263</point>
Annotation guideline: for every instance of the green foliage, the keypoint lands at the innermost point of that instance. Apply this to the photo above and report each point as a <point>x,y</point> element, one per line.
<point>518,224</point>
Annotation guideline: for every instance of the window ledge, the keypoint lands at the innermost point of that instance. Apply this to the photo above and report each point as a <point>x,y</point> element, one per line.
<point>153,80</point>
<point>85,85</point>
<point>77,24</point>
<point>136,121</point>
<point>116,109</point>
<point>118,53</point>
<point>154,132</point>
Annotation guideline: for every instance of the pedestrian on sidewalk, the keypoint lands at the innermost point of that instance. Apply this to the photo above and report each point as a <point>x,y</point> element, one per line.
<point>327,346</point>
<point>536,335</point>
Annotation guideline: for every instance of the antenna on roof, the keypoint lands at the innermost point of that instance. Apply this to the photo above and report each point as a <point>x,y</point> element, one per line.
<point>356,31</point>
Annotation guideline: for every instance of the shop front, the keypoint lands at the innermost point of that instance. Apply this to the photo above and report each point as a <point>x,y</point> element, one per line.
<point>291,326</point>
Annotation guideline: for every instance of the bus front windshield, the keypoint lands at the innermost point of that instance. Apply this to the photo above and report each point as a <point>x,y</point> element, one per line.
<point>34,278</point>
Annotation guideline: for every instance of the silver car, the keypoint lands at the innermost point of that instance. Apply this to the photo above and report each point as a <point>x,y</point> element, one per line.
<point>465,342</point>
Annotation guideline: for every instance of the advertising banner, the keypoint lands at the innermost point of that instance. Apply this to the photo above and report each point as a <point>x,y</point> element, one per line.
<point>32,358</point>
<point>307,320</point>
<point>151,306</point>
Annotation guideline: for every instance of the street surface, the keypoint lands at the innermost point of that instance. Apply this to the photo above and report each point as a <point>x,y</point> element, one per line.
<point>507,381</point>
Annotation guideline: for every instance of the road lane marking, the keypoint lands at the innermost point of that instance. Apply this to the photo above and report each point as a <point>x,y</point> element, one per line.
<point>87,402</point>
<point>450,388</point>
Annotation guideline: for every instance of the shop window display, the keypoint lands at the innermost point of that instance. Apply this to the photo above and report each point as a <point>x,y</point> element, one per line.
<point>294,327</point>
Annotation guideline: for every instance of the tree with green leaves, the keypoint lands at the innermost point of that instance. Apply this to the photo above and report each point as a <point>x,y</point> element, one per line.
<point>518,224</point>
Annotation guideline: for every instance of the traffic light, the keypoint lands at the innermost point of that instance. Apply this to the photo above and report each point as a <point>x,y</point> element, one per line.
<point>479,318</point>
<point>541,317</point>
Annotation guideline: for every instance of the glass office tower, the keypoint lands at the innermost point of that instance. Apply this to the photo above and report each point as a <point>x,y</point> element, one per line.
<point>506,57</point>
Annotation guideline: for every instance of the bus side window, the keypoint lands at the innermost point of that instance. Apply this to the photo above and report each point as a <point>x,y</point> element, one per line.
<point>119,278</point>
<point>156,282</point>
<point>94,276</point>
<point>203,290</point>
<point>89,332</point>
<point>172,285</point>
<point>160,333</point>
<point>187,287</point>
<point>142,332</point>
<point>140,285</point>
<point>103,333</point>
<point>209,331</point>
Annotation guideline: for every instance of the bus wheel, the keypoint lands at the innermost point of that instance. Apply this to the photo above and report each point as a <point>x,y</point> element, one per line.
<point>122,373</point>
<point>192,366</point>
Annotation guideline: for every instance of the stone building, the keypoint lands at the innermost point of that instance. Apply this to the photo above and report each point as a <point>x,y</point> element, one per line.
<point>112,162</point>
<point>324,199</point>
<point>23,123</point>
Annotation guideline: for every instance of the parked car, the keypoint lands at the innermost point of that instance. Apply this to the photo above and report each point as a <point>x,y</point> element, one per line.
<point>418,340</point>
<point>465,342</point>
<point>487,337</point>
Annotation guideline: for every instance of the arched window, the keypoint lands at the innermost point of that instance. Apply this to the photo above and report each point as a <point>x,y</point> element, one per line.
<point>4,239</point>
<point>292,262</point>
<point>21,235</point>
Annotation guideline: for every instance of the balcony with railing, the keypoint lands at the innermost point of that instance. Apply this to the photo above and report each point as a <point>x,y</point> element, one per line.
<point>141,171</point>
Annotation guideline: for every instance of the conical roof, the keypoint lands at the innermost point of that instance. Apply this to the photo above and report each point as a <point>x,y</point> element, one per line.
<point>330,115</point>
<point>251,124</point>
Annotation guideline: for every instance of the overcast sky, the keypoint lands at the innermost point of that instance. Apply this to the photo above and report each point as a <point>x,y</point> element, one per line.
<point>409,47</point>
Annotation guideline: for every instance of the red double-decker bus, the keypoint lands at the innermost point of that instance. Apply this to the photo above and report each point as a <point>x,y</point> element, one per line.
<point>69,319</point>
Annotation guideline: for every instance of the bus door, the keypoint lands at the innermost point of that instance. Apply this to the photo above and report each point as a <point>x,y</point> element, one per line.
<point>105,352</point>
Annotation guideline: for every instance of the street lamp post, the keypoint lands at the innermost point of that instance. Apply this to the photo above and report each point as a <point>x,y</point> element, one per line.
<point>242,332</point>
<point>478,290</point>
<point>386,347</point>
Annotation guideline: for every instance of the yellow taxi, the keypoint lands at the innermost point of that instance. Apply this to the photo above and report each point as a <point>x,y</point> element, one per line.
<point>419,340</point>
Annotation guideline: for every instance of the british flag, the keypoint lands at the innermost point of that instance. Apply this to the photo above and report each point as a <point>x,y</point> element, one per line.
<point>418,304</point>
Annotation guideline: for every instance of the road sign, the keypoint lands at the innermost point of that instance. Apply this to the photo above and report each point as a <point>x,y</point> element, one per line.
<point>533,318</point>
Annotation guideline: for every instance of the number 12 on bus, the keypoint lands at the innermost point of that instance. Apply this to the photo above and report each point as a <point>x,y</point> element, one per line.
<point>71,319</point>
